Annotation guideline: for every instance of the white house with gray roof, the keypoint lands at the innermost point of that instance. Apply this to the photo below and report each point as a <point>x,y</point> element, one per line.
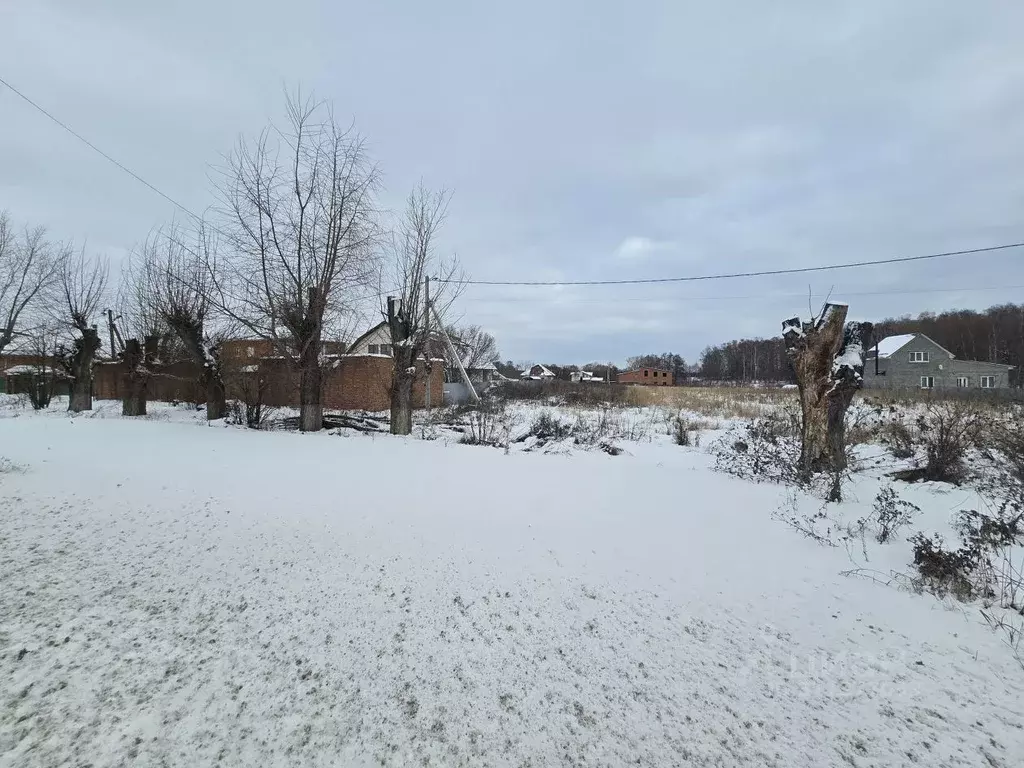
<point>914,361</point>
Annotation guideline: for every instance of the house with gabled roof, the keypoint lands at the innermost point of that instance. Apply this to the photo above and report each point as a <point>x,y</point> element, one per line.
<point>537,372</point>
<point>914,361</point>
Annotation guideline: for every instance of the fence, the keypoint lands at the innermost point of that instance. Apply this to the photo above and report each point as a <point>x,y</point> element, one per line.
<point>350,382</point>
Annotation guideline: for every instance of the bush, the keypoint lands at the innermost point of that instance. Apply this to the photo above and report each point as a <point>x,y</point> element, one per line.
<point>249,388</point>
<point>892,513</point>
<point>764,450</point>
<point>547,427</point>
<point>1005,447</point>
<point>686,432</point>
<point>681,432</point>
<point>899,438</point>
<point>942,571</point>
<point>983,566</point>
<point>949,429</point>
<point>487,424</point>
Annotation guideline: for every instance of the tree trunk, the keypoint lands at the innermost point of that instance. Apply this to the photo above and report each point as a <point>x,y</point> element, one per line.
<point>80,368</point>
<point>216,394</point>
<point>401,390</point>
<point>828,359</point>
<point>206,355</point>
<point>134,380</point>
<point>216,397</point>
<point>311,411</point>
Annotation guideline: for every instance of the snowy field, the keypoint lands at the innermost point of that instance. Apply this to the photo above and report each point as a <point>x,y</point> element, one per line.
<point>177,594</point>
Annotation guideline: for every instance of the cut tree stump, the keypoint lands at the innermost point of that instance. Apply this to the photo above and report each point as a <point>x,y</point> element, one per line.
<point>827,355</point>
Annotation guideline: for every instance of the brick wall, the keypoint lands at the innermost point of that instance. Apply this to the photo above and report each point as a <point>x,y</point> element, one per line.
<point>12,361</point>
<point>177,382</point>
<point>364,383</point>
<point>349,383</point>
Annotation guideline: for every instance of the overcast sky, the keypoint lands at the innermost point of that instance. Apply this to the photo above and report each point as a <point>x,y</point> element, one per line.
<point>582,140</point>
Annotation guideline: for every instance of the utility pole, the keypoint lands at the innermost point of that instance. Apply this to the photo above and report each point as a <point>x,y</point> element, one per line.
<point>429,342</point>
<point>458,359</point>
<point>113,329</point>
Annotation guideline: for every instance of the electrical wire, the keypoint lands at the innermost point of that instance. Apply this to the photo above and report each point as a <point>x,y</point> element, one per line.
<point>99,151</point>
<point>758,273</point>
<point>680,299</point>
<point>635,281</point>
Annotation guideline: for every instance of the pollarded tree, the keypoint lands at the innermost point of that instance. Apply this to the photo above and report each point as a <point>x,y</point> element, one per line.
<point>80,291</point>
<point>299,213</point>
<point>169,283</point>
<point>827,354</point>
<point>409,315</point>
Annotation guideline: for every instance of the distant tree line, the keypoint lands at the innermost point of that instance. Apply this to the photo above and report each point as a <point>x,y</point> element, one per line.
<point>747,360</point>
<point>995,336</point>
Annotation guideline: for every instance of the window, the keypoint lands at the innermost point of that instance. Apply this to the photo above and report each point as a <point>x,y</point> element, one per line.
<point>646,371</point>
<point>927,382</point>
<point>919,357</point>
<point>988,382</point>
<point>963,381</point>
<point>250,351</point>
<point>385,349</point>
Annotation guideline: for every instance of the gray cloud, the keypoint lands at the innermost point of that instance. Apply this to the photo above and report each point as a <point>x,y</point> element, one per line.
<point>583,140</point>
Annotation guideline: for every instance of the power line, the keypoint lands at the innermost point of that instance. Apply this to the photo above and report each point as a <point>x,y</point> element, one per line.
<point>730,275</point>
<point>637,281</point>
<point>674,299</point>
<point>99,151</point>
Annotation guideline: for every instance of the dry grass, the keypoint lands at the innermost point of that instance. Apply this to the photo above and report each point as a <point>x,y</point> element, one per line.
<point>717,402</point>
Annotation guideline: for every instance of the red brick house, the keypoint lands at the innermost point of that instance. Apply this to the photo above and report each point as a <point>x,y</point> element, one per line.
<point>651,377</point>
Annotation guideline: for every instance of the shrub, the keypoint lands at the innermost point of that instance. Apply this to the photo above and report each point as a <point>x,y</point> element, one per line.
<point>1005,447</point>
<point>949,429</point>
<point>249,390</point>
<point>487,424</point>
<point>547,427</point>
<point>764,450</point>
<point>982,566</point>
<point>892,513</point>
<point>899,438</point>
<point>681,432</point>
<point>942,571</point>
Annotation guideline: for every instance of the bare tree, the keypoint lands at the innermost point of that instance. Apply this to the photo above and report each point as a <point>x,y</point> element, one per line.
<point>169,286</point>
<point>413,247</point>
<point>44,380</point>
<point>299,209</point>
<point>827,354</point>
<point>477,346</point>
<point>27,270</point>
<point>81,288</point>
<point>143,328</point>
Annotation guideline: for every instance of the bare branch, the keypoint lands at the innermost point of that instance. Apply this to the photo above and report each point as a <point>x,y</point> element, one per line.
<point>414,254</point>
<point>299,214</point>
<point>28,268</point>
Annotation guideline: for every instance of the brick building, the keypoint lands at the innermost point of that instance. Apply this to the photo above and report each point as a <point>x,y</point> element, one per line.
<point>651,377</point>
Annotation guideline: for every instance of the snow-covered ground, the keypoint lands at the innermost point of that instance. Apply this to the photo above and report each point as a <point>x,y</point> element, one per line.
<point>176,594</point>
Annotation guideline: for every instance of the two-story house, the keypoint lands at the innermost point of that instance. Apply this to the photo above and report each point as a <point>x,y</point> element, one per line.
<point>651,377</point>
<point>914,361</point>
